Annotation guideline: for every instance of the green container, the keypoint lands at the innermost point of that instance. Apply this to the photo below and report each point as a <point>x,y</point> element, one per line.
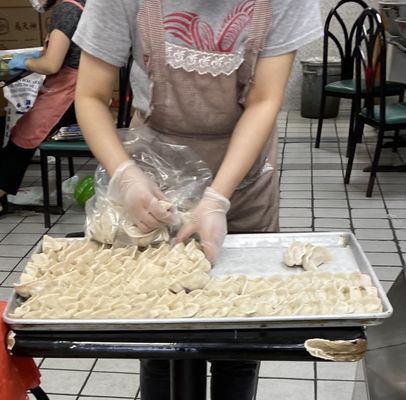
<point>84,190</point>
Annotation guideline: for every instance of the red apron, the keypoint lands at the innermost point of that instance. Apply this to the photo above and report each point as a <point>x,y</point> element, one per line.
<point>17,374</point>
<point>55,97</point>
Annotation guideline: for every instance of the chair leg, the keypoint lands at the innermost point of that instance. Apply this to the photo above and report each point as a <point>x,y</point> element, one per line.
<point>351,128</point>
<point>395,141</point>
<point>321,117</point>
<point>58,169</point>
<point>45,188</point>
<point>375,162</point>
<point>39,394</point>
<point>359,127</point>
<point>71,167</point>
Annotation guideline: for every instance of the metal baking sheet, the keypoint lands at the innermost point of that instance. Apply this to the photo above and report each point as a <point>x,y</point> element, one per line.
<point>252,255</point>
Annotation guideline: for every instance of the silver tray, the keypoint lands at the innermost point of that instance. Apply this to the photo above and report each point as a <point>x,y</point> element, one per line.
<point>252,255</point>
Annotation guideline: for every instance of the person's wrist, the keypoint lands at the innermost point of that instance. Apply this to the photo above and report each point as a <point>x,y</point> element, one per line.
<point>26,63</point>
<point>219,198</point>
<point>122,168</point>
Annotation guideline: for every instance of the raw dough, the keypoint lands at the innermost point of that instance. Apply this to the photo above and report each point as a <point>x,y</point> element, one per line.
<point>82,279</point>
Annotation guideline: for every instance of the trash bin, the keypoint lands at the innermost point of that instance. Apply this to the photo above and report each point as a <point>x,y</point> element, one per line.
<point>312,87</point>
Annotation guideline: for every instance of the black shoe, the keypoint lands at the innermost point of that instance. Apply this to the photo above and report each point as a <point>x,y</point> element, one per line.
<point>4,205</point>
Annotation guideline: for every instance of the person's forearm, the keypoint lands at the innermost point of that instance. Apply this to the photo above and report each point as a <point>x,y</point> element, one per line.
<point>255,126</point>
<point>249,138</point>
<point>99,131</point>
<point>40,65</point>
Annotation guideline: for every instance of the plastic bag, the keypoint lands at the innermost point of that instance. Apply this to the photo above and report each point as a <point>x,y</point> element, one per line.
<point>23,93</point>
<point>32,195</point>
<point>177,171</point>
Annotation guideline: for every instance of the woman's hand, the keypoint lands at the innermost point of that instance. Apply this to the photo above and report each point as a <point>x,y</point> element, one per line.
<point>140,196</point>
<point>209,221</point>
<point>19,60</point>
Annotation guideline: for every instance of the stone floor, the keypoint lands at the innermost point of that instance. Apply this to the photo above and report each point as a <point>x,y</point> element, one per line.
<point>313,198</point>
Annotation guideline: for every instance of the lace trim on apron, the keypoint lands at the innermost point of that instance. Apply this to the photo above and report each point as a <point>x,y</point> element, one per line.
<point>202,62</point>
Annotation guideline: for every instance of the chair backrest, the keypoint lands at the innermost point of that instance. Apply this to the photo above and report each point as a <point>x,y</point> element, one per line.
<point>343,37</point>
<point>125,96</point>
<point>370,63</point>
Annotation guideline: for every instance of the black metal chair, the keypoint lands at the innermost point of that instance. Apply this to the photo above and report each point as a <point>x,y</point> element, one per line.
<point>344,44</point>
<point>340,33</point>
<point>371,91</point>
<point>39,394</point>
<point>58,149</point>
<point>79,148</point>
<point>126,96</point>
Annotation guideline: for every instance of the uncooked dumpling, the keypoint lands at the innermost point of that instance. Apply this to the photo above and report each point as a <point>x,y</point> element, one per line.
<point>81,279</point>
<point>306,255</point>
<point>107,222</point>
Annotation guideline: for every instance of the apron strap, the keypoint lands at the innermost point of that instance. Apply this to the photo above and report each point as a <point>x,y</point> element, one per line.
<point>260,26</point>
<point>150,21</point>
<point>74,2</point>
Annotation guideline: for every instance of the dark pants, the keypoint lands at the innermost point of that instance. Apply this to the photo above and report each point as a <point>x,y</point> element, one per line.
<point>230,380</point>
<point>14,160</point>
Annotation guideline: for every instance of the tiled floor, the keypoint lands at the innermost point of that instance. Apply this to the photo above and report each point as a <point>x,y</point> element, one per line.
<point>313,198</point>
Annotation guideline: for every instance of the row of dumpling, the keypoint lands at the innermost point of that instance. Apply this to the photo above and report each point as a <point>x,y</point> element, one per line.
<point>85,263</point>
<point>251,298</point>
<point>93,265</point>
<point>82,281</point>
<point>59,255</point>
<point>129,280</point>
<point>199,303</point>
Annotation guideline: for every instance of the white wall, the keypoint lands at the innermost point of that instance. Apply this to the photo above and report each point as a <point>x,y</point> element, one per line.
<point>315,49</point>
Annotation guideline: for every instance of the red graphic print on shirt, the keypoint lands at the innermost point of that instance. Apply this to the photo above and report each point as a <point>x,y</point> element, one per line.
<point>190,29</point>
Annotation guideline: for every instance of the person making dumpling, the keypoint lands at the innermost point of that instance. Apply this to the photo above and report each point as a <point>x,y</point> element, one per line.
<point>54,104</point>
<point>210,75</point>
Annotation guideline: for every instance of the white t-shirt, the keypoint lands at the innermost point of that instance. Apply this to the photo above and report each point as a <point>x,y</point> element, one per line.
<point>108,30</point>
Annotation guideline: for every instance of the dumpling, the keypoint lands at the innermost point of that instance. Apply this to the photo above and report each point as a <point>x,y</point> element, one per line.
<point>293,256</point>
<point>306,255</point>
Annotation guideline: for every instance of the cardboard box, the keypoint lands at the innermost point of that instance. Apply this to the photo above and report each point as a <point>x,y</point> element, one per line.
<point>45,19</point>
<point>15,3</point>
<point>19,28</point>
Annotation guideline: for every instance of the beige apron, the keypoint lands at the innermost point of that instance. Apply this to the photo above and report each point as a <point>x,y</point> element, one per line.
<point>201,111</point>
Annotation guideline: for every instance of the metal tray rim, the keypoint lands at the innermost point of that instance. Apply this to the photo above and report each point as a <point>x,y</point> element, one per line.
<point>225,322</point>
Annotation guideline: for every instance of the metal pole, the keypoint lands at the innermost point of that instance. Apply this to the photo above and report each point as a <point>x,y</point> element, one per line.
<point>188,379</point>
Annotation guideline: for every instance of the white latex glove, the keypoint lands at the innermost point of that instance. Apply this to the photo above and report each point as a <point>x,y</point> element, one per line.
<point>130,187</point>
<point>209,221</point>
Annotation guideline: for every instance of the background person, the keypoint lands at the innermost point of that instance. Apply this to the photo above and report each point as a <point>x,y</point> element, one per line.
<point>54,104</point>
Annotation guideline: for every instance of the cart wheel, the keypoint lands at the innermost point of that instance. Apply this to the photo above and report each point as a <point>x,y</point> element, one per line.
<point>39,394</point>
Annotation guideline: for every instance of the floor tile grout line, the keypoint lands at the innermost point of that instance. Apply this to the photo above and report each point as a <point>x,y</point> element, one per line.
<point>21,258</point>
<point>393,229</point>
<point>90,371</point>
<point>283,149</point>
